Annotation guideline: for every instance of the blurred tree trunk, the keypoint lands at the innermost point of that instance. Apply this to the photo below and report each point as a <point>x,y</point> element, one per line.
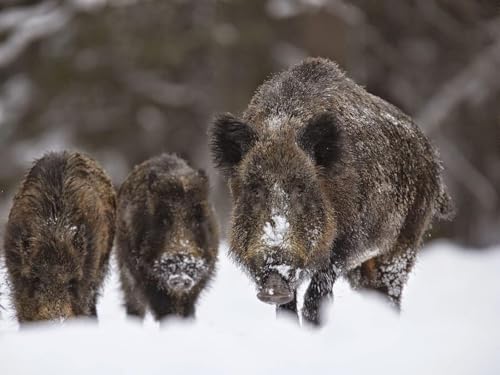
<point>127,80</point>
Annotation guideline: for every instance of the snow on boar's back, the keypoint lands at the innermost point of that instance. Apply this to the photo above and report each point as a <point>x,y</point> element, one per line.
<point>326,180</point>
<point>59,237</point>
<point>167,239</point>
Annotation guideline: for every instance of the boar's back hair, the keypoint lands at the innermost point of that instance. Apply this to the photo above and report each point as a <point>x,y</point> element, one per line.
<point>370,138</point>
<point>63,219</point>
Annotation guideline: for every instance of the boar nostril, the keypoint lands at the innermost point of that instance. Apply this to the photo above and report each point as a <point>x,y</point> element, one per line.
<point>275,291</point>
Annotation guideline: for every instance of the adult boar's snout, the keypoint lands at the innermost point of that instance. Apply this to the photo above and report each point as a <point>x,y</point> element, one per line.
<point>275,291</point>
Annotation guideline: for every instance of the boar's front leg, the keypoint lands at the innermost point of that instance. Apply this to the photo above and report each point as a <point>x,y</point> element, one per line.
<point>386,273</point>
<point>320,289</point>
<point>160,302</point>
<point>288,310</point>
<point>318,292</point>
<point>93,306</point>
<point>134,305</point>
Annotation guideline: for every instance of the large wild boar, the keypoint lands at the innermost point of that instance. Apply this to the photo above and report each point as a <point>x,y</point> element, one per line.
<point>326,180</point>
<point>167,237</point>
<point>59,237</point>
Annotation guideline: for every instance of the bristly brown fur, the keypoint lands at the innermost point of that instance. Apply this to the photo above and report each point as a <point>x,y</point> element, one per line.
<point>59,237</point>
<point>166,232</point>
<point>324,178</point>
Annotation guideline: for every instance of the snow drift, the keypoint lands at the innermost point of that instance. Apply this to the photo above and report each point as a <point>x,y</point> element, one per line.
<point>449,324</point>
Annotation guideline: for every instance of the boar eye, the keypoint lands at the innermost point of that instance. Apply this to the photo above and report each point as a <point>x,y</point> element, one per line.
<point>198,213</point>
<point>257,191</point>
<point>163,218</point>
<point>73,285</point>
<point>35,285</point>
<point>299,189</point>
<point>78,240</point>
<point>35,281</point>
<point>25,243</point>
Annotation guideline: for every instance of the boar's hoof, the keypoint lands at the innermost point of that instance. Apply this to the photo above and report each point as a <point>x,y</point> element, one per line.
<point>275,291</point>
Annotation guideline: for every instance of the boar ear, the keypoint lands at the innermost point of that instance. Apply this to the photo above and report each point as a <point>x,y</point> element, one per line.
<point>230,140</point>
<point>321,138</point>
<point>200,172</point>
<point>152,181</point>
<point>202,175</point>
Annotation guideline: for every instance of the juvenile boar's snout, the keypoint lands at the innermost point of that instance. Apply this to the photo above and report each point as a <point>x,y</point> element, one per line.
<point>275,291</point>
<point>180,272</point>
<point>180,282</point>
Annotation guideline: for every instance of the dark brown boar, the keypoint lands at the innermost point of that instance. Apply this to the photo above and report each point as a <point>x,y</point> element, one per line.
<point>326,180</point>
<point>59,237</point>
<point>167,240</point>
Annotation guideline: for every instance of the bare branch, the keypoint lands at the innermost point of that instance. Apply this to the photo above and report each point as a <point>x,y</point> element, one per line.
<point>159,90</point>
<point>356,18</point>
<point>29,25</point>
<point>479,78</point>
<point>12,18</point>
<point>469,176</point>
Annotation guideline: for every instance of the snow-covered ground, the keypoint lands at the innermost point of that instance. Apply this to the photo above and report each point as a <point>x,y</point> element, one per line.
<point>450,325</point>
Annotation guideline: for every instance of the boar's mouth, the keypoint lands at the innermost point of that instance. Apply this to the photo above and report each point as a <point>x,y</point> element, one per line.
<point>275,291</point>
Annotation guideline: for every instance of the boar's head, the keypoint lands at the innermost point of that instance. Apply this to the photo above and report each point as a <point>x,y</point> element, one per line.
<point>282,219</point>
<point>47,272</point>
<point>176,232</point>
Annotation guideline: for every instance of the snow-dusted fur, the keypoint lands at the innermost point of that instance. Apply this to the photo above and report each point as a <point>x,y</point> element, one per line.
<point>327,180</point>
<point>59,237</point>
<point>167,237</point>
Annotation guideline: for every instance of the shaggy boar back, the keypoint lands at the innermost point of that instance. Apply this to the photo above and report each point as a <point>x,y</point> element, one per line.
<point>326,180</point>
<point>167,237</point>
<point>59,237</point>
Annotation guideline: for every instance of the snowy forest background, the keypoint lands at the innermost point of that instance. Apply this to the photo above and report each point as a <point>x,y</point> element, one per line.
<point>127,79</point>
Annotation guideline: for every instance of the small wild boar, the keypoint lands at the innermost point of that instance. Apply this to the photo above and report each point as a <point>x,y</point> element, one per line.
<point>167,239</point>
<point>59,237</point>
<point>326,180</point>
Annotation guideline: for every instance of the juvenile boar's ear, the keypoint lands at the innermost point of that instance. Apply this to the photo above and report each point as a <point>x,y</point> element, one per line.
<point>203,176</point>
<point>152,181</point>
<point>230,140</point>
<point>204,180</point>
<point>321,138</point>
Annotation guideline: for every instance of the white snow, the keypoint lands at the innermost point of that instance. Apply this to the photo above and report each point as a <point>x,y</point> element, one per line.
<point>282,269</point>
<point>275,122</point>
<point>287,272</point>
<point>449,325</point>
<point>275,232</point>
